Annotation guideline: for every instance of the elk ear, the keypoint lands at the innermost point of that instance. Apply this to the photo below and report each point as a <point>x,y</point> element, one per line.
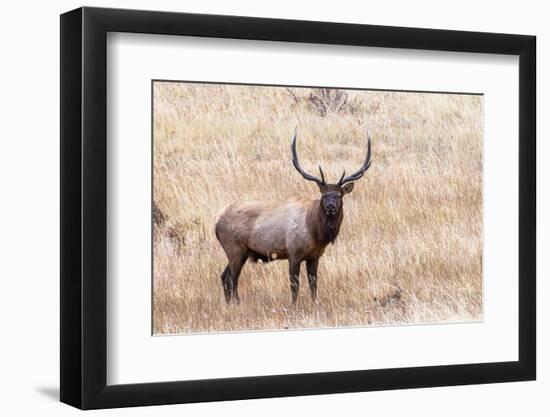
<point>346,189</point>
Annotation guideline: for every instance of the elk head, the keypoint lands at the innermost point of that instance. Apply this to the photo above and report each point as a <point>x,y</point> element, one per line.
<point>332,194</point>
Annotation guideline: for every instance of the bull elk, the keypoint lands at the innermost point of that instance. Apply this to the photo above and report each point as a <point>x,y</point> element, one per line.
<point>297,230</point>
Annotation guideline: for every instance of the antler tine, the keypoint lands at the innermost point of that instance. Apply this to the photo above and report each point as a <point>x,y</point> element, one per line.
<point>358,174</point>
<point>296,164</point>
<point>322,175</point>
<point>342,177</point>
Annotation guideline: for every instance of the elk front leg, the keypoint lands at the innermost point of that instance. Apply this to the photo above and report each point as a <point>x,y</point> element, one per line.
<point>312,266</point>
<point>294,274</point>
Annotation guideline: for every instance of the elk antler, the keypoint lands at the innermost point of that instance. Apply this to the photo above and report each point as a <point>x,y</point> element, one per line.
<point>356,175</point>
<point>299,169</point>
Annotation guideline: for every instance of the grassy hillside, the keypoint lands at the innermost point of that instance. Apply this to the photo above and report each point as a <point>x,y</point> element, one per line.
<point>410,247</point>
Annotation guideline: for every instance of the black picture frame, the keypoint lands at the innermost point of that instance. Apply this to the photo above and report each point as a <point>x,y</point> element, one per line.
<point>84,207</point>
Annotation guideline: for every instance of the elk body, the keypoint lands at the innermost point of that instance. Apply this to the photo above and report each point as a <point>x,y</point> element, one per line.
<point>297,230</point>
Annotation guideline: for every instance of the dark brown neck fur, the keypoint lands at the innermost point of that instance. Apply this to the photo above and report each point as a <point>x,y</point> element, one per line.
<point>324,228</point>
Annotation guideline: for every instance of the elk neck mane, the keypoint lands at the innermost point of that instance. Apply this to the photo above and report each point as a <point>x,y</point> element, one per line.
<point>324,228</point>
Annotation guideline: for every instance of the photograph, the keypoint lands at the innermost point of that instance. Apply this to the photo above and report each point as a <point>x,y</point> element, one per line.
<point>264,205</point>
<point>287,208</point>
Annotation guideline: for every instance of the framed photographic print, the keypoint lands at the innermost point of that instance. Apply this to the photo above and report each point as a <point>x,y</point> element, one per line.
<point>258,207</point>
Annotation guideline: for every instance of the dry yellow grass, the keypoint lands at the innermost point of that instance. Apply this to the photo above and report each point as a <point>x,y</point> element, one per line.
<point>413,223</point>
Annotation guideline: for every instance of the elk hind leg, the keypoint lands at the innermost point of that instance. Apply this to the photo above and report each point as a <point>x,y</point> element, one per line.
<point>235,267</point>
<point>226,284</point>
